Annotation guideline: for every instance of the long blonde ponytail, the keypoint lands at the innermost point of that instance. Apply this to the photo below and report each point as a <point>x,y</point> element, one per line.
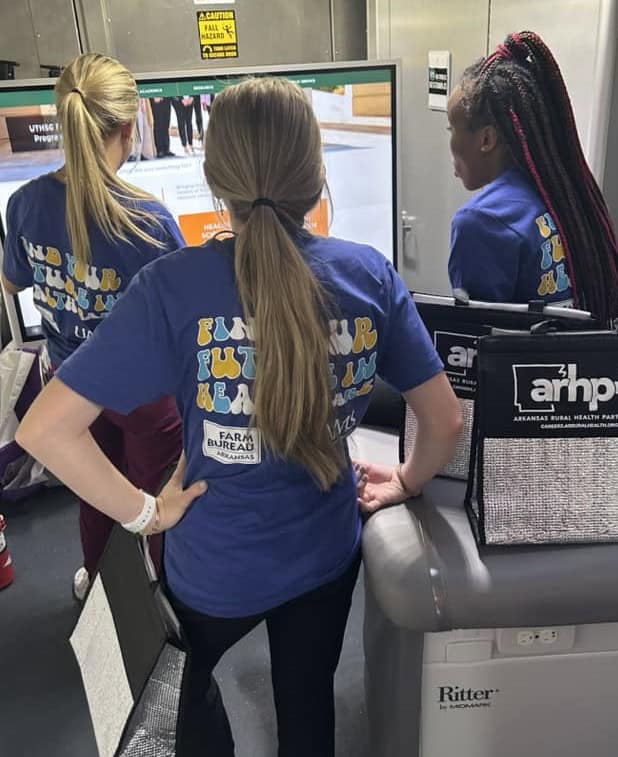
<point>95,96</point>
<point>263,141</point>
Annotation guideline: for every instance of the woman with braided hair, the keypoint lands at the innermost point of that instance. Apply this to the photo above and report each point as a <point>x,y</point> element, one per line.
<point>539,229</point>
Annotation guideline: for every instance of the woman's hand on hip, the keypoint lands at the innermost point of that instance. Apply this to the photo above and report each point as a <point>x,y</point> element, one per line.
<point>174,501</point>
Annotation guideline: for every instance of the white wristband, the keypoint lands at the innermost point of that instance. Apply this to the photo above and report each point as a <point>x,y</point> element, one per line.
<point>143,519</point>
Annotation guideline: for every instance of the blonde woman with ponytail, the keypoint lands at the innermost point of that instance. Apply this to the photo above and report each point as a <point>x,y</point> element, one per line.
<point>78,236</point>
<point>270,341</point>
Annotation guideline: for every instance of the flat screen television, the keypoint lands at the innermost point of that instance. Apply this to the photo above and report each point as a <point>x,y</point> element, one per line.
<point>356,104</point>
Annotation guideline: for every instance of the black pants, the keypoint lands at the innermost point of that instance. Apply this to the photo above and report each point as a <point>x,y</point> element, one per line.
<point>197,107</point>
<point>161,112</point>
<point>305,637</point>
<point>184,116</point>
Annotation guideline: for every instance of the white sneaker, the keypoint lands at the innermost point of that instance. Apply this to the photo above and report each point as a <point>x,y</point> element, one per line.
<point>81,582</point>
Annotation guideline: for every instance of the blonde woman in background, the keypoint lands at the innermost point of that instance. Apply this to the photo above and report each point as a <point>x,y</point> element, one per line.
<point>79,236</point>
<point>270,341</point>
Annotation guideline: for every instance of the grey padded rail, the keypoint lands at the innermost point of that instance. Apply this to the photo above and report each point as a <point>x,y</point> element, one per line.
<point>427,574</point>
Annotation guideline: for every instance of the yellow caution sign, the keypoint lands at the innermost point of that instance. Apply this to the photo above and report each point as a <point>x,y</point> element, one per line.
<point>217,31</point>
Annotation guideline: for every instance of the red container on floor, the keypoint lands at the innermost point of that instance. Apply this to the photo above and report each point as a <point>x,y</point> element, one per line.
<point>6,567</point>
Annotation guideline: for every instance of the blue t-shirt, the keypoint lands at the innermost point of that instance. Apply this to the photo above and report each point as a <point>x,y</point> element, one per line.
<point>505,246</point>
<point>264,532</point>
<point>71,298</point>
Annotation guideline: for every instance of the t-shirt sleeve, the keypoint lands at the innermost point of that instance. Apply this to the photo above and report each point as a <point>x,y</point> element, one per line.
<point>170,234</point>
<point>406,355</point>
<point>484,259</point>
<point>15,265</point>
<point>129,360</point>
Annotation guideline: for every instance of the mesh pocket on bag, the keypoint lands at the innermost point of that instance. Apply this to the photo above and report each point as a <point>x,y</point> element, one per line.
<point>458,465</point>
<point>564,490</point>
<point>151,731</point>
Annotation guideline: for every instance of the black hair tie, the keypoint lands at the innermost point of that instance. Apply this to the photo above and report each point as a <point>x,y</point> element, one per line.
<point>263,201</point>
<point>80,93</point>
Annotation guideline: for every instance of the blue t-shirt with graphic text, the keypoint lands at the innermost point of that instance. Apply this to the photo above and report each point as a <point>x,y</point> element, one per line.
<point>72,298</point>
<point>264,532</point>
<point>505,246</point>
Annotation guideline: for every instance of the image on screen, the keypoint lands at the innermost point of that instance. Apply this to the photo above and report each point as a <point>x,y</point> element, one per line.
<point>355,109</point>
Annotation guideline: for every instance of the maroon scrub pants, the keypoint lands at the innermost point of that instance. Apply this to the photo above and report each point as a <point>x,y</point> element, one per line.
<point>143,445</point>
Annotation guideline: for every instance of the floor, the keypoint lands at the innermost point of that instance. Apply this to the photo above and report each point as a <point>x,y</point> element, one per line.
<point>42,708</point>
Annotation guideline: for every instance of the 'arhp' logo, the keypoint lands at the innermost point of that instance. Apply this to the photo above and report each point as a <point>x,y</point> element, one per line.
<point>539,388</point>
<point>457,352</point>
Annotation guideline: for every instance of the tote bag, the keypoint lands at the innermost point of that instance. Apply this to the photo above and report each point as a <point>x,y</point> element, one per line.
<point>545,439</point>
<point>129,648</point>
<point>455,328</point>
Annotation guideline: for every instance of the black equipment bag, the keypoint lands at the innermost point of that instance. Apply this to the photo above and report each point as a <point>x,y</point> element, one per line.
<point>545,440</point>
<point>132,658</point>
<point>455,327</point>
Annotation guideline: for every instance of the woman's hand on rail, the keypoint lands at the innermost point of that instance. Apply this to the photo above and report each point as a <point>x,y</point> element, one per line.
<point>383,487</point>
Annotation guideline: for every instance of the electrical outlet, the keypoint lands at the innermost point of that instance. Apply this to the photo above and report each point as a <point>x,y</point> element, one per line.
<point>525,638</point>
<point>549,636</point>
<point>535,641</point>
